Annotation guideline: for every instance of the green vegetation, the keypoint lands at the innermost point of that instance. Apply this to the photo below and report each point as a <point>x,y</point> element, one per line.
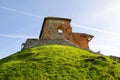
<point>58,62</point>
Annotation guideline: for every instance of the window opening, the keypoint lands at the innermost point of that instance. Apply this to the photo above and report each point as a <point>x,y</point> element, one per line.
<point>60,31</point>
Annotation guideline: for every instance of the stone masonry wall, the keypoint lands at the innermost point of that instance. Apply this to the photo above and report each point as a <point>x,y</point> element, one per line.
<point>38,42</point>
<point>51,27</point>
<point>50,34</point>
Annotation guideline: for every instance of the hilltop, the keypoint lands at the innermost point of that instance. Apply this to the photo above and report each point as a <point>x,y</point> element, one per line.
<point>58,62</point>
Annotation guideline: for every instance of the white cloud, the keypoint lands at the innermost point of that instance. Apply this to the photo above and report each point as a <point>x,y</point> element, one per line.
<point>20,12</point>
<point>106,49</point>
<point>108,18</point>
<point>16,36</point>
<point>109,9</point>
<point>95,29</point>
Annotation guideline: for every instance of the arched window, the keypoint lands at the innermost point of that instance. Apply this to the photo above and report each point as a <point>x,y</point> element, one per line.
<point>60,31</point>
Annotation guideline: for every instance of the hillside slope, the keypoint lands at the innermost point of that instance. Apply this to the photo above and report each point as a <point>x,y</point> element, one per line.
<point>57,62</point>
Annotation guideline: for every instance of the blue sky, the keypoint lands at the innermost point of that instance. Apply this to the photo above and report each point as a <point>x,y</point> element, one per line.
<point>22,19</point>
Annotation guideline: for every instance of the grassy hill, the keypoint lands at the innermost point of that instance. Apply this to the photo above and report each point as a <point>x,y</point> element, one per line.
<point>57,62</point>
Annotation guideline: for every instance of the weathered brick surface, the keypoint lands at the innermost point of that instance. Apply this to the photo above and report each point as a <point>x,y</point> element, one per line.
<point>52,25</point>
<point>50,35</point>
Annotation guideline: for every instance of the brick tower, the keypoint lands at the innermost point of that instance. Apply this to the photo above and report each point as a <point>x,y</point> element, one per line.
<point>56,30</point>
<point>52,26</point>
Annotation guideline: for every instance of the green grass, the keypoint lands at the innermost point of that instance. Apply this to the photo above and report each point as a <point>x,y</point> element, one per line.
<point>57,62</point>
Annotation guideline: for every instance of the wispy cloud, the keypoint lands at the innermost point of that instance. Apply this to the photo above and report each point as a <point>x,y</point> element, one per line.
<point>111,8</point>
<point>20,12</point>
<point>107,49</point>
<point>16,36</point>
<point>95,29</point>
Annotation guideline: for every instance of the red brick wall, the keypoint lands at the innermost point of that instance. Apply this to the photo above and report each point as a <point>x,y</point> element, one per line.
<point>50,31</point>
<point>79,40</point>
<point>46,32</point>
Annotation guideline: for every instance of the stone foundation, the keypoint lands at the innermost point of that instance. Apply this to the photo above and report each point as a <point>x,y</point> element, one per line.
<point>39,42</point>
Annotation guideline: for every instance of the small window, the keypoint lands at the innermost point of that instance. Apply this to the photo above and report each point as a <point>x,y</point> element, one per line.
<point>60,31</point>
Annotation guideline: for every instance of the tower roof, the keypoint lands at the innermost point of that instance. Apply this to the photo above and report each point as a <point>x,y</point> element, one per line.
<point>57,18</point>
